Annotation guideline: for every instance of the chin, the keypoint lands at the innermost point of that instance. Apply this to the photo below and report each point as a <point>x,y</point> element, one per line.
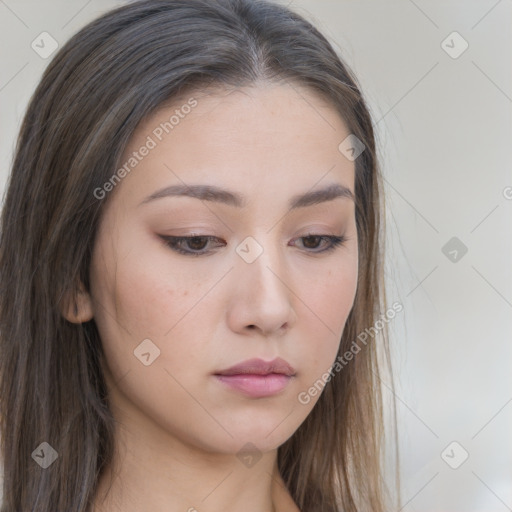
<point>266,434</point>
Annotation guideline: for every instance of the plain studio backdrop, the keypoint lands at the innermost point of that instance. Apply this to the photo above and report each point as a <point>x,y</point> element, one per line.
<point>437,77</point>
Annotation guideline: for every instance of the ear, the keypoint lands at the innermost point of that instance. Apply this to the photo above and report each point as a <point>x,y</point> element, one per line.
<point>77,306</point>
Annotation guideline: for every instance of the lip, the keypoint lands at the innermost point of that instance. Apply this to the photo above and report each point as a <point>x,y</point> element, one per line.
<point>257,378</point>
<point>260,367</point>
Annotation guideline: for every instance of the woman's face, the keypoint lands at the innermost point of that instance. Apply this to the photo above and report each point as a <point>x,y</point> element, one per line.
<point>255,284</point>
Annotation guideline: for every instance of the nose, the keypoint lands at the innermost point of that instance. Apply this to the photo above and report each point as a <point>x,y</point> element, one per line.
<point>261,295</point>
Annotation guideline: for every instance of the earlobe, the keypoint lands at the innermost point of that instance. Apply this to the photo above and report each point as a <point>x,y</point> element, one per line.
<point>77,306</point>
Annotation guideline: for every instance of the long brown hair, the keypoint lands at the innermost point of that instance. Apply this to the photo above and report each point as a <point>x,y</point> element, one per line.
<point>99,86</point>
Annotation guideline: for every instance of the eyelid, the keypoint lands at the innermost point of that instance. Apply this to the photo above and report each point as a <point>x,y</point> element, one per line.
<point>335,241</point>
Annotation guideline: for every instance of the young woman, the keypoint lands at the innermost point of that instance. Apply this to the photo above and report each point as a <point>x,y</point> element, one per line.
<point>190,265</point>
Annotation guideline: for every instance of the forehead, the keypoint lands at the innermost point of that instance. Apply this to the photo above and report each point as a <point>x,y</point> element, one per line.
<point>256,139</point>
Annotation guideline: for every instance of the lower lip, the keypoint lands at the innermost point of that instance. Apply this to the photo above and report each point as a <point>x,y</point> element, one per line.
<point>256,386</point>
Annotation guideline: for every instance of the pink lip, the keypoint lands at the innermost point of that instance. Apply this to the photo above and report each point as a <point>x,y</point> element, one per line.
<point>259,367</point>
<point>257,378</point>
<point>256,386</point>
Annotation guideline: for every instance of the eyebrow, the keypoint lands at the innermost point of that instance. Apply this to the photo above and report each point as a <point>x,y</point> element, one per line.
<point>220,195</point>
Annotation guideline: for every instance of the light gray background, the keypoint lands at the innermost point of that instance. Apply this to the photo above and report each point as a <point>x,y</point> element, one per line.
<point>444,129</point>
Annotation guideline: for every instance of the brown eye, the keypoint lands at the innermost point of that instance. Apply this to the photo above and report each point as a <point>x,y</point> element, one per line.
<point>312,242</point>
<point>189,245</point>
<point>197,243</point>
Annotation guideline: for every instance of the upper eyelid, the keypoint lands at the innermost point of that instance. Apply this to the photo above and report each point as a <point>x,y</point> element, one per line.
<point>334,241</point>
<point>213,237</point>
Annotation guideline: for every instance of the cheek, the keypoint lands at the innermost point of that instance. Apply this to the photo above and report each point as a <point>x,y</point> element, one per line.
<point>143,303</point>
<point>328,300</point>
<point>329,295</point>
<point>145,299</point>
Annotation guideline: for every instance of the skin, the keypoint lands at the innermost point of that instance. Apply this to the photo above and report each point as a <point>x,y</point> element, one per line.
<point>179,428</point>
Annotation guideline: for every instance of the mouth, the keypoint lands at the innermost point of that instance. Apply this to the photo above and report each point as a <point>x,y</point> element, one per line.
<point>257,378</point>
<point>260,367</point>
<point>256,386</point>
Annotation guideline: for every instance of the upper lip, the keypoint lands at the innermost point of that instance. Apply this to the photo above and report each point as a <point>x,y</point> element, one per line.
<point>259,367</point>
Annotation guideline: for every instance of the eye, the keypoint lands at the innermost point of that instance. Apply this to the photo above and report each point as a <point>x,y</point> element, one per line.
<point>195,245</point>
<point>312,241</point>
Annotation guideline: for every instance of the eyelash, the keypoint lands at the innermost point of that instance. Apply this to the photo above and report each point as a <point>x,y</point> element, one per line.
<point>173,243</point>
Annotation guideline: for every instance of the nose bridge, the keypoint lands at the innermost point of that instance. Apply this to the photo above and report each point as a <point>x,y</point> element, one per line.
<point>261,276</point>
<point>262,259</point>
